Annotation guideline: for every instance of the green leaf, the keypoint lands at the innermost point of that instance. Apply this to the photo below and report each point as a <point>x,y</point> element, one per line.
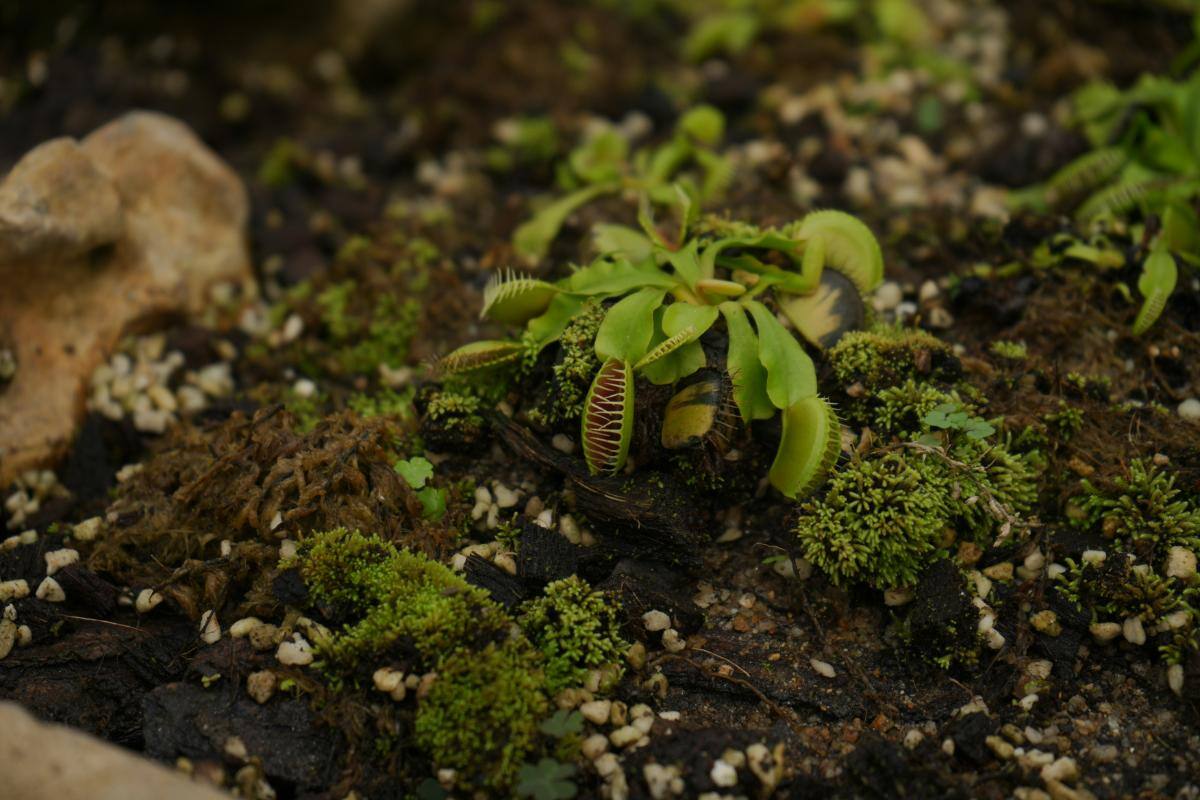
<point>745,370</point>
<point>678,316</point>
<point>622,241</point>
<point>430,789</point>
<point>600,159</point>
<point>686,263</point>
<point>415,471</point>
<point>605,278</point>
<point>550,325</point>
<point>532,239</point>
<point>515,299</point>
<point>730,32</point>
<point>546,780</point>
<point>1156,283</point>
<point>628,326</point>
<point>791,376</point>
<point>808,447</point>
<point>703,124</point>
<point>671,358</point>
<point>562,723</point>
<point>433,502</point>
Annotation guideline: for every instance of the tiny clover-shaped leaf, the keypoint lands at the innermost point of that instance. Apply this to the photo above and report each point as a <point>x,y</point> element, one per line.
<point>546,780</point>
<point>562,723</point>
<point>433,502</point>
<point>628,326</point>
<point>942,416</point>
<point>415,471</point>
<point>791,376</point>
<point>430,789</point>
<point>977,429</point>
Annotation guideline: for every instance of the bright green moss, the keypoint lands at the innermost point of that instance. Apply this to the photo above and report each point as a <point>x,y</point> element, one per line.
<point>383,403</point>
<point>885,356</point>
<point>384,337</point>
<point>879,522</point>
<point>573,371</point>
<point>452,418</point>
<point>884,515</point>
<point>482,714</point>
<point>1144,507</point>
<point>575,628</point>
<point>392,597</point>
<point>899,410</point>
<point>1066,422</point>
<point>1011,351</point>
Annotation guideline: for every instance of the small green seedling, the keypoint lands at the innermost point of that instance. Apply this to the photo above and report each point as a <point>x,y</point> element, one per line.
<point>546,780</point>
<point>665,299</point>
<point>416,472</point>
<point>682,173</point>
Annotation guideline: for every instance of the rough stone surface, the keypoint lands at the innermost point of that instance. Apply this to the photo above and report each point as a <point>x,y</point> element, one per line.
<point>99,239</point>
<point>53,761</point>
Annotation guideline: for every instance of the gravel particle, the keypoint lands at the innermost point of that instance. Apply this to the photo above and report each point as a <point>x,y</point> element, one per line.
<point>1105,632</point>
<point>244,626</point>
<point>1190,409</point>
<point>260,685</point>
<point>50,591</point>
<point>1046,622</point>
<point>823,668</point>
<point>673,641</point>
<point>594,746</point>
<point>57,559</point>
<point>8,637</point>
<point>1104,753</point>
<point>624,736</point>
<point>723,774</point>
<point>147,599</point>
<point>210,628</point>
<point>1061,769</point>
<point>87,530</point>
<point>656,621</point>
<point>14,590</point>
<point>294,653</point>
<point>1181,563</point>
<point>597,711</point>
<point>1135,632</point>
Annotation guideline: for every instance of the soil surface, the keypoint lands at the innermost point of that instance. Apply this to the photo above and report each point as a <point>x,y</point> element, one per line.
<point>381,167</point>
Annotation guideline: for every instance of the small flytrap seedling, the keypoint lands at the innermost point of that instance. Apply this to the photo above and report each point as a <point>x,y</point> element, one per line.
<point>1145,158</point>
<point>659,302</point>
<point>683,172</point>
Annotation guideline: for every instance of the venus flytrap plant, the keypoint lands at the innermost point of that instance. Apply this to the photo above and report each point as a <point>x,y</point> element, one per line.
<point>681,173</point>
<point>664,300</point>
<point>1146,158</point>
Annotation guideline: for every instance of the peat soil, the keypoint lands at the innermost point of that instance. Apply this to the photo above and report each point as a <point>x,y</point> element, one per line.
<point>387,148</point>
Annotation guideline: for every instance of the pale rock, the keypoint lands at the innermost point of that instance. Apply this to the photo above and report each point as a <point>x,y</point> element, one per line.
<point>98,237</point>
<point>50,591</point>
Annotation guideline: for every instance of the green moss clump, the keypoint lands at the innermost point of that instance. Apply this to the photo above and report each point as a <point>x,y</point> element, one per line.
<point>392,598</point>
<point>1010,351</point>
<point>887,356</point>
<point>383,337</point>
<point>452,418</point>
<point>576,365</point>
<point>383,403</point>
<point>482,714</point>
<point>575,628</point>
<point>879,522</point>
<point>1145,509</point>
<point>899,410</point>
<point>884,516</point>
